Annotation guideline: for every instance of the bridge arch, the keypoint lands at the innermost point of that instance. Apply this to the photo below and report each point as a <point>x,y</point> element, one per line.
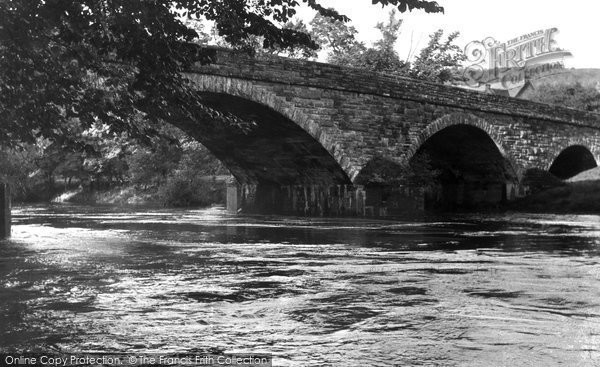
<point>473,167</point>
<point>458,119</point>
<point>571,161</point>
<point>292,131</point>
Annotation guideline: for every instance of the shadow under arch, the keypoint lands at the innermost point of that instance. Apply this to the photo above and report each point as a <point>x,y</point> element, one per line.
<point>242,98</point>
<point>260,145</point>
<point>280,168</point>
<point>571,161</point>
<point>393,188</point>
<point>472,170</point>
<point>460,119</point>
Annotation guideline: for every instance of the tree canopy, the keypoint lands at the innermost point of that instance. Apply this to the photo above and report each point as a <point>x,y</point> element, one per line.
<point>67,64</point>
<point>438,62</point>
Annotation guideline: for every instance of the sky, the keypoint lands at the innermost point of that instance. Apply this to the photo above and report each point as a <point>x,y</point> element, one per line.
<point>577,21</point>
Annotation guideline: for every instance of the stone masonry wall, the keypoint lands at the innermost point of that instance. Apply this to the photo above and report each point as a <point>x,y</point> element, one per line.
<point>357,115</point>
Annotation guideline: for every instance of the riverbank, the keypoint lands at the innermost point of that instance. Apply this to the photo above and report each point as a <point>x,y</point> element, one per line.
<point>178,194</point>
<point>128,195</point>
<point>579,194</point>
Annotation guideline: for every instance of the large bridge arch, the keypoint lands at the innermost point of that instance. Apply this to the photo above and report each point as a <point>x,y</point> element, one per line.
<point>252,91</point>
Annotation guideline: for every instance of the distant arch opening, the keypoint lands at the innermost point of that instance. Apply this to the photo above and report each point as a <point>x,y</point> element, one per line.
<point>571,161</point>
<point>470,171</point>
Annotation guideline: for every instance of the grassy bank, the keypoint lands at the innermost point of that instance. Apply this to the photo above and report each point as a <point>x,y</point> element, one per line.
<point>580,194</point>
<point>574,197</point>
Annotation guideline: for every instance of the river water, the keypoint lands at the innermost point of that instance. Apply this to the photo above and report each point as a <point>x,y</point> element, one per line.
<point>493,290</point>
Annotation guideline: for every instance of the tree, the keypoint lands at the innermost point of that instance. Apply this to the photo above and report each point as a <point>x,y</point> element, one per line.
<point>150,166</point>
<point>104,161</point>
<point>192,181</point>
<point>107,60</point>
<point>439,61</point>
<point>16,168</point>
<point>254,44</point>
<point>382,56</point>
<point>338,39</point>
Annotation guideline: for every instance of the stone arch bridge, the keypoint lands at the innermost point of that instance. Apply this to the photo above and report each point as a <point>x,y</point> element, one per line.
<point>300,136</point>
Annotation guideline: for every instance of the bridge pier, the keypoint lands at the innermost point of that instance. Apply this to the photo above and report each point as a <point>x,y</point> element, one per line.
<point>364,201</point>
<point>469,195</point>
<point>5,216</point>
<point>306,200</point>
<point>325,200</point>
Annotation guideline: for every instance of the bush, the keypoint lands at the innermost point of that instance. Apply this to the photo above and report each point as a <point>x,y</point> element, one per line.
<point>578,197</point>
<point>180,191</point>
<point>539,180</point>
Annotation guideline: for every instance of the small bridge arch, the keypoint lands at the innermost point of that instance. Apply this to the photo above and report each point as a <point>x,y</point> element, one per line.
<point>453,120</point>
<point>572,160</point>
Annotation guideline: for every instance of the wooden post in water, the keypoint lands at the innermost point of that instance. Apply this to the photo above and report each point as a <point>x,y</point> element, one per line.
<point>4,211</point>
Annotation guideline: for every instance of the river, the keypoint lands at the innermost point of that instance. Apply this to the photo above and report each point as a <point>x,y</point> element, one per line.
<point>465,290</point>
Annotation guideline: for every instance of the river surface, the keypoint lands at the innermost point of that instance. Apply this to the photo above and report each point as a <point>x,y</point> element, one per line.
<point>467,290</point>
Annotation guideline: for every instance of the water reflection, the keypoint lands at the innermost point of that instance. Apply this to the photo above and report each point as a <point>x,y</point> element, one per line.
<point>468,290</point>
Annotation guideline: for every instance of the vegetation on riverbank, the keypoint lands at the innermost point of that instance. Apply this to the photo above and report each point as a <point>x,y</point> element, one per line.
<point>576,197</point>
<point>210,190</point>
<point>580,194</point>
<point>173,170</point>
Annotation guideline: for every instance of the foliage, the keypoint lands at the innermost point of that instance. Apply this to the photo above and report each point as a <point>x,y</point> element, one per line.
<point>190,182</point>
<point>254,44</point>
<point>382,171</point>
<point>403,5</point>
<point>576,197</point>
<point>80,78</point>
<point>539,180</point>
<point>568,95</point>
<point>104,159</point>
<point>150,166</point>
<point>338,38</point>
<point>179,191</point>
<point>439,61</point>
<point>389,32</point>
<point>38,172</point>
<point>382,56</point>
<point>16,166</point>
<point>90,60</point>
